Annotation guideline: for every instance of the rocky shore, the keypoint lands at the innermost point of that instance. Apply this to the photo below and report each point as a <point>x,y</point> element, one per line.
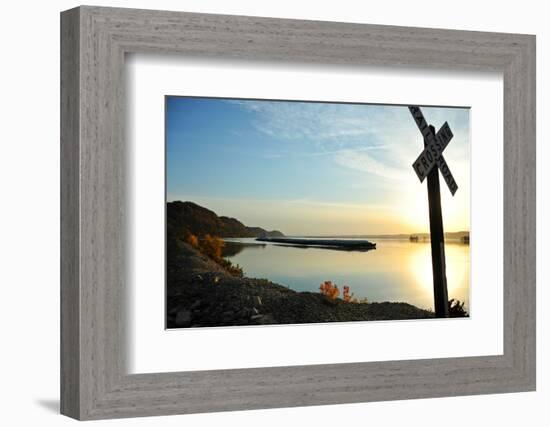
<point>200,292</point>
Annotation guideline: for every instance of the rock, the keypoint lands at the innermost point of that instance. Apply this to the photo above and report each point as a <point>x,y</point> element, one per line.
<point>183,318</point>
<point>257,300</point>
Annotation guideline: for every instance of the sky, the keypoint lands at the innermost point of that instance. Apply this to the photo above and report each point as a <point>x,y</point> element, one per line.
<point>311,168</point>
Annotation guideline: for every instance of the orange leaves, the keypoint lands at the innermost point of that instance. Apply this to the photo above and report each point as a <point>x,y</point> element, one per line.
<point>212,246</point>
<point>331,291</point>
<point>192,240</point>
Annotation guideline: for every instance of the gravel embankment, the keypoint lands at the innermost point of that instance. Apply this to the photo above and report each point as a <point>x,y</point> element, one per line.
<point>201,293</point>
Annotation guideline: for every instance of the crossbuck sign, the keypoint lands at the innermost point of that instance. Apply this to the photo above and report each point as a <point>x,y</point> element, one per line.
<point>433,152</point>
<point>430,158</point>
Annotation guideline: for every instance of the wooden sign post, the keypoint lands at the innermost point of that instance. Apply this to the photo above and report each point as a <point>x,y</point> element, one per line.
<point>434,144</point>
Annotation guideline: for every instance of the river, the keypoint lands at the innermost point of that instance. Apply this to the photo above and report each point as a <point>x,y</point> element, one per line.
<point>397,270</point>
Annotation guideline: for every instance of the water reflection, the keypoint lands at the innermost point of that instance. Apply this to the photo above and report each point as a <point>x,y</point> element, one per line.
<point>397,270</point>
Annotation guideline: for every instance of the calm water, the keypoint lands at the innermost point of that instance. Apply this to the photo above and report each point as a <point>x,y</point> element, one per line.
<point>397,270</point>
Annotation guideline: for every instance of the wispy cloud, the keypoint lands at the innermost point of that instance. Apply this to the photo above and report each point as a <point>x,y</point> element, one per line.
<point>371,139</point>
<point>363,162</point>
<point>313,122</point>
<point>353,135</point>
<point>324,152</point>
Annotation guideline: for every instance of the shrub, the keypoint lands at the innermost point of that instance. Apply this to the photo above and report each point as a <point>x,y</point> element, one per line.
<point>347,297</point>
<point>329,290</point>
<point>192,240</point>
<point>212,246</point>
<point>234,270</point>
<point>456,309</point>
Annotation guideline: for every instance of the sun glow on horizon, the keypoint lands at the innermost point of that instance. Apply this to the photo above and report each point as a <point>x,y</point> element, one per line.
<point>311,218</point>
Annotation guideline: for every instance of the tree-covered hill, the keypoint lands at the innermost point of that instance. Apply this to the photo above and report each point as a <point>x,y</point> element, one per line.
<point>185,218</point>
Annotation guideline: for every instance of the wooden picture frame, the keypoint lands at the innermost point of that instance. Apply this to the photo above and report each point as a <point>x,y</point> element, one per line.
<point>94,41</point>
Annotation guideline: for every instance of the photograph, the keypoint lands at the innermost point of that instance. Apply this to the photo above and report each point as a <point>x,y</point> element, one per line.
<point>286,212</point>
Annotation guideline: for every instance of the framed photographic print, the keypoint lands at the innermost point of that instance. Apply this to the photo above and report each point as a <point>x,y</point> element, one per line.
<point>337,179</point>
<point>261,213</point>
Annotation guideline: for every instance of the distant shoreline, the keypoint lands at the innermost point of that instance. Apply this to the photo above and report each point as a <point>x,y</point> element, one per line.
<point>451,235</point>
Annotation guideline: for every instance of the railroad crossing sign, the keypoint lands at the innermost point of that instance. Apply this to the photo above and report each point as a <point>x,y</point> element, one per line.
<point>433,152</point>
<point>424,166</point>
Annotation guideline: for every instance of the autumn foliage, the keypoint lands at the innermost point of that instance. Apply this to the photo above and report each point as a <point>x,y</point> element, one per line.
<point>212,247</point>
<point>192,240</point>
<point>329,290</point>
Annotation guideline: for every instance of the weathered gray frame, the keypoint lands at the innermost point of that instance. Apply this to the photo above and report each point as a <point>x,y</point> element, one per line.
<point>94,41</point>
